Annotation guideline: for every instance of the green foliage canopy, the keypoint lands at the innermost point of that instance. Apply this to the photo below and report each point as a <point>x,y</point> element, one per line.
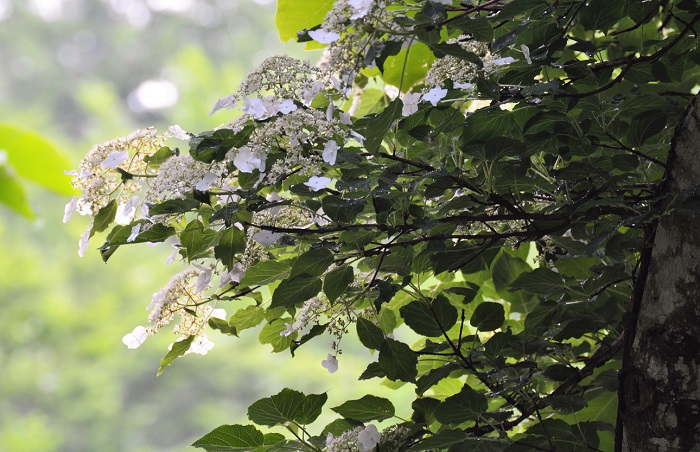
<point>484,173</point>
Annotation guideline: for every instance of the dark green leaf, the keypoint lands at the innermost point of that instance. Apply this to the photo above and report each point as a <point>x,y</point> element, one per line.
<point>231,438</point>
<point>645,125</point>
<point>600,14</point>
<point>488,316</point>
<point>467,405</point>
<point>265,272</point>
<point>296,290</point>
<point>174,206</point>
<point>232,242</point>
<point>441,440</point>
<point>434,376</point>
<point>432,319</point>
<point>377,127</point>
<point>312,263</point>
<point>370,335</point>
<point>286,406</point>
<point>342,210</point>
<point>366,409</point>
<point>315,331</point>
<point>311,408</point>
<point>372,371</point>
<point>398,361</point>
<point>178,349</point>
<point>336,282</point>
<point>540,281</point>
<point>104,217</point>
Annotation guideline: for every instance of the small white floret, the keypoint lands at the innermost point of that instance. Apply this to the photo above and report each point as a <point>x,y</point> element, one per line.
<point>135,338</point>
<point>330,363</point>
<point>114,159</point>
<point>324,37</point>
<point>435,95</point>
<point>316,183</point>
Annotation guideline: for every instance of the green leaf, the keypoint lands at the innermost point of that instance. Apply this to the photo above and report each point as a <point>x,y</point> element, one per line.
<point>370,335</point>
<point>481,445</point>
<point>408,67</point>
<point>196,239</point>
<point>366,409</point>
<point>467,405</point>
<point>13,196</point>
<point>540,281</point>
<point>174,207</point>
<point>455,50</point>
<point>294,16</point>
<point>270,334</point>
<point>377,127</point>
<point>645,125</point>
<point>248,317</point>
<point>336,282</point>
<point>540,318</point>
<point>430,319</point>
<point>315,331</point>
<point>312,263</point>
<point>231,438</point>
<point>178,349</point>
<point>160,156</point>
<point>296,290</point>
<point>398,361</point>
<point>232,242</point>
<point>434,376</point>
<point>372,371</point>
<point>441,440</point>
<point>506,269</point>
<point>265,272</point>
<point>479,27</point>
<point>286,406</point>
<point>35,159</point>
<point>488,316</point>
<point>311,408</point>
<point>342,210</point>
<point>104,217</point>
<point>600,14</point>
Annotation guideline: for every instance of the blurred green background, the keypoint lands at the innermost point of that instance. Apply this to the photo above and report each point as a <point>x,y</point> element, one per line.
<point>82,72</point>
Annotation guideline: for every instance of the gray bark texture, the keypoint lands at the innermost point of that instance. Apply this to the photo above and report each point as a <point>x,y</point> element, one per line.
<point>660,385</point>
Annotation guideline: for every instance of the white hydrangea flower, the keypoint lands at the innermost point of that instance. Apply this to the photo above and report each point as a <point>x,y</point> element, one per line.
<point>126,212</point>
<point>218,313</point>
<point>330,152</point>
<point>360,8</point>
<point>317,183</point>
<point>134,233</point>
<point>206,181</point>
<point>330,363</point>
<point>203,279</point>
<point>526,53</point>
<point>69,209</point>
<point>135,338</point>
<point>114,159</point>
<point>178,133</point>
<point>503,61</point>
<point>225,102</point>
<point>234,275</point>
<point>266,238</point>
<point>288,329</point>
<point>254,107</point>
<point>324,37</point>
<point>84,241</point>
<point>410,103</point>
<point>435,95</point>
<point>201,345</point>
<point>286,106</point>
<point>246,160</point>
<point>368,438</point>
<point>459,85</point>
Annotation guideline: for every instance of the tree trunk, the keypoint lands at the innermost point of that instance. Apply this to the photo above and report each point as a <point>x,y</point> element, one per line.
<point>660,382</point>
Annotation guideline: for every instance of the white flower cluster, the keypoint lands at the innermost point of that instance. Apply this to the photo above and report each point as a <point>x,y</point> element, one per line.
<point>368,438</point>
<point>460,71</point>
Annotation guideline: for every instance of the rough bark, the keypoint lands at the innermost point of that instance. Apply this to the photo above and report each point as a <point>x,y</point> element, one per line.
<point>660,384</point>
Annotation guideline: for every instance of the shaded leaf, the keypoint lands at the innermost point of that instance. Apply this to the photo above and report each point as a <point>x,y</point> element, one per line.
<point>366,409</point>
